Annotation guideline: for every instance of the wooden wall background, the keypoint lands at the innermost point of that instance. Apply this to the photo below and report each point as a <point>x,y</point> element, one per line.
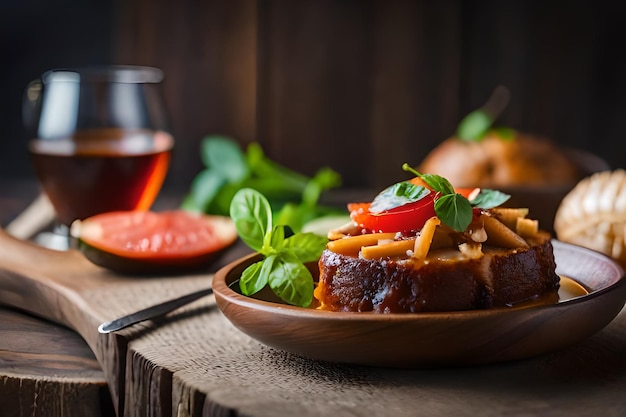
<point>358,85</point>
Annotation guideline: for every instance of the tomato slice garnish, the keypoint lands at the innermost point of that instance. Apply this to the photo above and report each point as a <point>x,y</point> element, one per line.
<point>407,218</point>
<point>466,192</point>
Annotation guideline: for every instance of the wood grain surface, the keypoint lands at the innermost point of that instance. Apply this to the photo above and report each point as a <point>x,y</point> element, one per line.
<point>194,362</point>
<point>364,86</point>
<point>47,370</point>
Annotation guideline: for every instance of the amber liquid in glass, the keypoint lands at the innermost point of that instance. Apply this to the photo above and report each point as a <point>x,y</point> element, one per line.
<point>102,170</point>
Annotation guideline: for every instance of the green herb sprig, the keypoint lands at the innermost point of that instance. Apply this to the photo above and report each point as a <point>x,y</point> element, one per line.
<point>452,208</point>
<point>397,195</point>
<point>293,196</point>
<point>476,124</point>
<point>284,253</point>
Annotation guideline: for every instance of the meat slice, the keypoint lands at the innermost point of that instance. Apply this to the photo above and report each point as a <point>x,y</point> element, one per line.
<point>447,281</point>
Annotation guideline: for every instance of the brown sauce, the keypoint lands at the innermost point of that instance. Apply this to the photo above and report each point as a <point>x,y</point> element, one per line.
<point>569,288</point>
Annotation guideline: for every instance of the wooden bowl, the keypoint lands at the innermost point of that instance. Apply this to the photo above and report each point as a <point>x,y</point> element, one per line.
<point>432,339</point>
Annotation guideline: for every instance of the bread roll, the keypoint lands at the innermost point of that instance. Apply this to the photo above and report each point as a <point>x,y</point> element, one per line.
<point>496,162</point>
<point>593,214</point>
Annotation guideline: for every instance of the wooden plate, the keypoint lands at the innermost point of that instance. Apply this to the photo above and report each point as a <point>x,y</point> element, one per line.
<point>433,339</point>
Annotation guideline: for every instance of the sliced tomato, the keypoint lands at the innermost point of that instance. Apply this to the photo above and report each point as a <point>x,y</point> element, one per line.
<point>467,192</point>
<point>145,241</point>
<point>406,218</point>
<point>419,181</point>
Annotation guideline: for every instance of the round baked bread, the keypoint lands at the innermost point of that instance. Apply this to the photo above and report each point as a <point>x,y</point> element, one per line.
<point>593,214</point>
<point>495,162</point>
<point>500,277</point>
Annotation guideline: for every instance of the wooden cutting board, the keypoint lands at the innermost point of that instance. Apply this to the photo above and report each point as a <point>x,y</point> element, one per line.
<point>195,363</point>
<point>66,288</point>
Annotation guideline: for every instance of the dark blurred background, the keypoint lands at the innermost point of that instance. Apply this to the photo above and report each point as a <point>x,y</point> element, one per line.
<point>361,86</point>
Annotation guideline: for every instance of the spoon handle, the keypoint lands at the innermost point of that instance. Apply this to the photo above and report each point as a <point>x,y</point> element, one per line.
<point>151,312</point>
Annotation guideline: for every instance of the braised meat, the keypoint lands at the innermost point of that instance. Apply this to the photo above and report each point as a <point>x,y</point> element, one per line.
<point>445,281</point>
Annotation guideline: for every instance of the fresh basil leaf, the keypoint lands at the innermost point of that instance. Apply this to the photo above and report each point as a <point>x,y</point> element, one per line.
<point>438,183</point>
<point>410,190</point>
<point>298,215</point>
<point>228,169</point>
<point>188,204</point>
<point>291,280</point>
<point>282,267</point>
<point>205,187</point>
<point>291,214</point>
<point>252,279</point>
<point>224,157</point>
<point>254,154</point>
<point>272,188</point>
<point>397,195</point>
<point>220,204</point>
<point>252,215</point>
<point>324,179</point>
<point>263,167</point>
<point>504,133</point>
<point>487,198</point>
<point>454,210</point>
<point>474,126</point>
<point>277,238</point>
<point>307,247</point>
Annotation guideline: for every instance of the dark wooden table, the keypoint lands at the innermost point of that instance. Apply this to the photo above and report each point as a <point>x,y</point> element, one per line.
<point>195,363</point>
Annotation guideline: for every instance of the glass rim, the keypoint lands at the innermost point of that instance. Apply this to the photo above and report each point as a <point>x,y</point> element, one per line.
<point>129,74</point>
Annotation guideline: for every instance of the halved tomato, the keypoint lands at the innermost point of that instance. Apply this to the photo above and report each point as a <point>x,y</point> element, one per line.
<point>151,242</point>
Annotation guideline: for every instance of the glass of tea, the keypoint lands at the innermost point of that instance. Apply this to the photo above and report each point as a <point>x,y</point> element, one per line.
<point>98,138</point>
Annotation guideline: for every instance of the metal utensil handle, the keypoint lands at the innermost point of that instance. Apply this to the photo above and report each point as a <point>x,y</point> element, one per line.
<point>151,312</point>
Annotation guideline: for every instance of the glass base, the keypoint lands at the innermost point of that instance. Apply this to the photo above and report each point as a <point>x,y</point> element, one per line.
<point>57,239</point>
